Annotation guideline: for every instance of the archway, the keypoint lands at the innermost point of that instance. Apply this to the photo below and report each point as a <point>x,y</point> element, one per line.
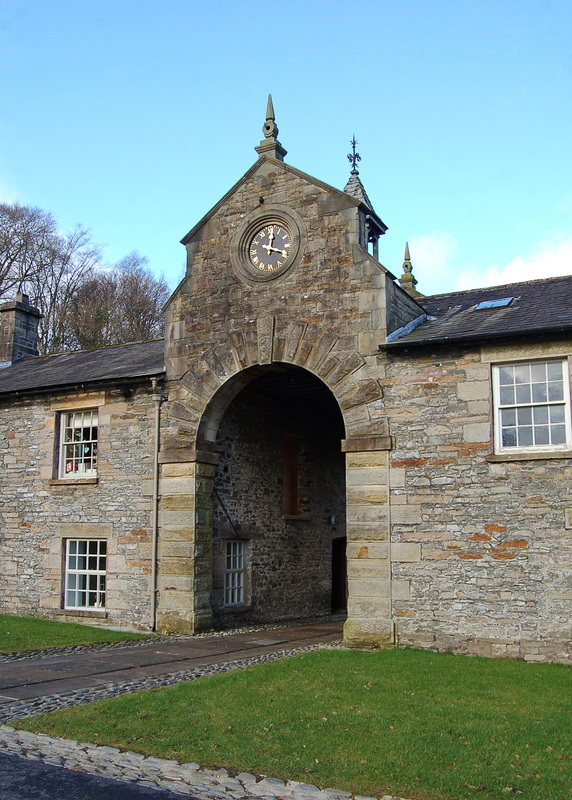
<point>278,495</point>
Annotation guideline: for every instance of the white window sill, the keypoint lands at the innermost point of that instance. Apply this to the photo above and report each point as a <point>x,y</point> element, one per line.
<point>528,455</point>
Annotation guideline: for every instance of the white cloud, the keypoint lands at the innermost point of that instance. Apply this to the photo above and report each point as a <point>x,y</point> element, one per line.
<point>436,264</point>
<point>433,259</point>
<point>548,260</point>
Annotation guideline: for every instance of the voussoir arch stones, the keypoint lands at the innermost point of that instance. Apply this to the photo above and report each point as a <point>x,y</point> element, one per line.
<point>200,397</point>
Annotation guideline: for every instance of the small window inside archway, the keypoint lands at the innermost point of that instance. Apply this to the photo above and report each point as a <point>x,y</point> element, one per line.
<point>234,573</point>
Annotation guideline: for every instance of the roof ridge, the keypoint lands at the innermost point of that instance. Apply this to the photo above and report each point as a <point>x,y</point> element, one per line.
<point>96,349</point>
<point>499,286</point>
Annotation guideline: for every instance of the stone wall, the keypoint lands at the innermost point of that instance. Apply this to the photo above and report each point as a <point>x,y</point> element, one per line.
<point>38,511</point>
<point>480,550</point>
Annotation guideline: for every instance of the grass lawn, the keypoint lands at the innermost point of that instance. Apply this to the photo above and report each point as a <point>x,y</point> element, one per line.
<point>405,722</point>
<point>29,633</point>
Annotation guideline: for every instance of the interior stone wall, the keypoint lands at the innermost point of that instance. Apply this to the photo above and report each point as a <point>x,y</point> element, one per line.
<point>289,555</point>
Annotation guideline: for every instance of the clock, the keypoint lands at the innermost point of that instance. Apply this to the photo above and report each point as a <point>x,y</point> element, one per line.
<point>270,247</point>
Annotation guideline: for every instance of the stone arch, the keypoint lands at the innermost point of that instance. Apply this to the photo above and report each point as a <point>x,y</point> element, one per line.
<point>207,387</point>
<point>197,403</point>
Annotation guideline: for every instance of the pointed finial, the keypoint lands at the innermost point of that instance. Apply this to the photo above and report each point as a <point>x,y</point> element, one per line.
<point>270,129</point>
<point>354,157</point>
<point>270,146</point>
<point>408,281</point>
<point>407,267</point>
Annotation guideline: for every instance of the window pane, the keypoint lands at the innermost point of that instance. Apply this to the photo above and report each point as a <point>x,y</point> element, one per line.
<point>507,395</point>
<point>538,372</point>
<point>556,413</point>
<point>554,371</point>
<point>506,376</point>
<point>509,437</point>
<point>540,415</point>
<point>522,373</point>
<point>508,417</point>
<point>539,393</point>
<point>541,435</point>
<point>555,392</point>
<point>558,434</point>
<point>523,393</point>
<point>525,437</point>
<point>525,416</point>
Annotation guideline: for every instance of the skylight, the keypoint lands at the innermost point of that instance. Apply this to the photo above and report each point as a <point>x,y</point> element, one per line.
<point>502,303</point>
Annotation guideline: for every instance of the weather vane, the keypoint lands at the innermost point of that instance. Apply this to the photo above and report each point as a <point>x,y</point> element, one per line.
<point>354,157</point>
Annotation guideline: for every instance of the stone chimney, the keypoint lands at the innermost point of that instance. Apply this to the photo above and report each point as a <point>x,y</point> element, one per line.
<point>18,330</point>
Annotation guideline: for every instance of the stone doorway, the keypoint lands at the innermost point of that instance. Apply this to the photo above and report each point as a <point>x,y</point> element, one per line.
<point>278,498</point>
<point>339,574</point>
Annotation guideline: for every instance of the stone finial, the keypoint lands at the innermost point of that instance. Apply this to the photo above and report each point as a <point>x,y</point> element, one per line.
<point>270,146</point>
<point>270,128</point>
<point>407,280</point>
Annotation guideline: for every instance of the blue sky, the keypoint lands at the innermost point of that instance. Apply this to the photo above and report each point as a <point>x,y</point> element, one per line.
<point>134,118</point>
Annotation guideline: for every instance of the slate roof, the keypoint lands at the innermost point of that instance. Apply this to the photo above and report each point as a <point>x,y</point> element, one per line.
<point>538,307</point>
<point>122,362</point>
<point>355,188</point>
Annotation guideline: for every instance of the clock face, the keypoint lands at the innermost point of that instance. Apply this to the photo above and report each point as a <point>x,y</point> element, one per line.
<point>270,248</point>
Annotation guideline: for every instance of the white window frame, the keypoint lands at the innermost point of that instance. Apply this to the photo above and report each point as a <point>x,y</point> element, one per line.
<point>78,444</point>
<point>85,574</point>
<point>234,572</point>
<point>532,404</point>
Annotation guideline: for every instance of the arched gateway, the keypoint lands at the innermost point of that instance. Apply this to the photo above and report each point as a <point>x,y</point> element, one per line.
<point>274,442</point>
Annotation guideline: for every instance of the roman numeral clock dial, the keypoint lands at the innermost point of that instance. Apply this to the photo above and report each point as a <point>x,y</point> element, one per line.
<point>270,248</point>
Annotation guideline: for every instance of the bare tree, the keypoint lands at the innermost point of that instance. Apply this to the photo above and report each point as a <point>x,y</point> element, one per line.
<point>68,263</point>
<point>121,305</point>
<point>83,304</point>
<point>26,239</point>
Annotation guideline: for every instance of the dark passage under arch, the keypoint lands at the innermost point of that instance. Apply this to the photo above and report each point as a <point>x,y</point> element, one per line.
<point>279,498</point>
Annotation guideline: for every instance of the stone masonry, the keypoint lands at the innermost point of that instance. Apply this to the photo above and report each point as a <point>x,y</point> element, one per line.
<point>38,511</point>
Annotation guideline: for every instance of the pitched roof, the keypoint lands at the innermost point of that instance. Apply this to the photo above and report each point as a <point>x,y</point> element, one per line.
<point>355,188</point>
<point>536,307</point>
<point>121,362</point>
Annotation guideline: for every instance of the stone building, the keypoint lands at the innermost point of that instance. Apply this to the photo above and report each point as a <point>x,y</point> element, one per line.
<point>312,434</point>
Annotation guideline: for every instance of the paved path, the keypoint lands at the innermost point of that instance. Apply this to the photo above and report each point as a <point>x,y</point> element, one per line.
<point>86,669</point>
<point>45,682</point>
